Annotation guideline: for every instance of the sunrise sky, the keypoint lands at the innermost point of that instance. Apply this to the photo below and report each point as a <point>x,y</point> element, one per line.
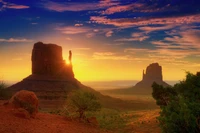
<point>110,39</point>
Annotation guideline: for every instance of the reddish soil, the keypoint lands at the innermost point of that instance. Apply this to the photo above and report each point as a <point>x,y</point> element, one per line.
<point>42,123</point>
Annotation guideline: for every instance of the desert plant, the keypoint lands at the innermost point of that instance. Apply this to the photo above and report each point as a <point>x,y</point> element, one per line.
<point>4,93</point>
<point>81,102</point>
<point>180,105</point>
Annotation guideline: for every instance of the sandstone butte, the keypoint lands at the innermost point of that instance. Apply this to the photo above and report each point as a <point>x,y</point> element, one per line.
<point>153,74</point>
<point>51,77</point>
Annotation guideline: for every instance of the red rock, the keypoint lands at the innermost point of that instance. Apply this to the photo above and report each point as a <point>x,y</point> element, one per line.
<point>47,60</point>
<point>26,100</point>
<point>51,77</point>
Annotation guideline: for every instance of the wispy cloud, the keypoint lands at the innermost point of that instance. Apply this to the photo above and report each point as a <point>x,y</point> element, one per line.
<point>34,23</point>
<point>183,44</point>
<point>13,6</point>
<point>120,8</point>
<point>139,36</point>
<point>109,33</point>
<point>148,29</point>
<point>68,39</point>
<point>135,50</point>
<point>17,59</point>
<point>8,5</point>
<point>108,3</point>
<point>131,22</point>
<point>73,30</point>
<point>70,6</point>
<point>89,35</point>
<point>12,40</point>
<point>77,25</point>
<point>88,31</point>
<point>83,48</point>
<point>188,39</point>
<point>109,56</point>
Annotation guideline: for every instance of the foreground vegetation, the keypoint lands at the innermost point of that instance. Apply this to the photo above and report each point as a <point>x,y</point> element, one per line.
<point>4,93</point>
<point>180,105</point>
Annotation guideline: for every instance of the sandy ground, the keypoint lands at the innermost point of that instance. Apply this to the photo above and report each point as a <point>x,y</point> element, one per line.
<point>42,123</point>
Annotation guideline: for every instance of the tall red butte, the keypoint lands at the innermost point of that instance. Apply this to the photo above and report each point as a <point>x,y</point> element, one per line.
<point>51,77</point>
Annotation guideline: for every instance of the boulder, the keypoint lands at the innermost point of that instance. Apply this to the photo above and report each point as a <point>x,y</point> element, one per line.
<point>26,100</point>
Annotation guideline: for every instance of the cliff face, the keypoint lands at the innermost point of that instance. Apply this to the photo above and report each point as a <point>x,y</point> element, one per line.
<point>47,60</point>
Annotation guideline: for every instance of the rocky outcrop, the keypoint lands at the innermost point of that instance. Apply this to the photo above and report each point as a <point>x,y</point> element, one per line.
<point>26,100</point>
<point>153,74</point>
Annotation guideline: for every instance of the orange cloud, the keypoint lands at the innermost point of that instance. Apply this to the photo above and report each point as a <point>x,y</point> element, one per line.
<point>109,33</point>
<point>73,30</point>
<point>77,25</point>
<point>7,5</point>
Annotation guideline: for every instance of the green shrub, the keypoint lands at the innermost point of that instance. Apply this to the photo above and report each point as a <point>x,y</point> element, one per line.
<point>180,105</point>
<point>81,101</point>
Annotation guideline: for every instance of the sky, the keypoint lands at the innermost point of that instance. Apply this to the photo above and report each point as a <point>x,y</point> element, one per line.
<point>110,39</point>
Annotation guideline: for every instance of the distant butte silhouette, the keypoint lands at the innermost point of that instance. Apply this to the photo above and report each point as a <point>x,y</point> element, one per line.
<point>153,74</point>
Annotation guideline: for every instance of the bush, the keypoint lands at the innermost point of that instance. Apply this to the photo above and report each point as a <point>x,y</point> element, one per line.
<point>4,93</point>
<point>180,105</point>
<point>81,101</point>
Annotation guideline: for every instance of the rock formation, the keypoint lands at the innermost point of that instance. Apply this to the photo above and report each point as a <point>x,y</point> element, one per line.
<point>47,60</point>
<point>26,100</point>
<point>51,77</point>
<point>153,74</point>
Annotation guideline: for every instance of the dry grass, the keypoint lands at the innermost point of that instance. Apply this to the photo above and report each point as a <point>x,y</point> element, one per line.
<point>143,121</point>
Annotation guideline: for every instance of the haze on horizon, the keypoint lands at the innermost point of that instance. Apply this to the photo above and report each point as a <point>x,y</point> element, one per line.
<point>110,39</point>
